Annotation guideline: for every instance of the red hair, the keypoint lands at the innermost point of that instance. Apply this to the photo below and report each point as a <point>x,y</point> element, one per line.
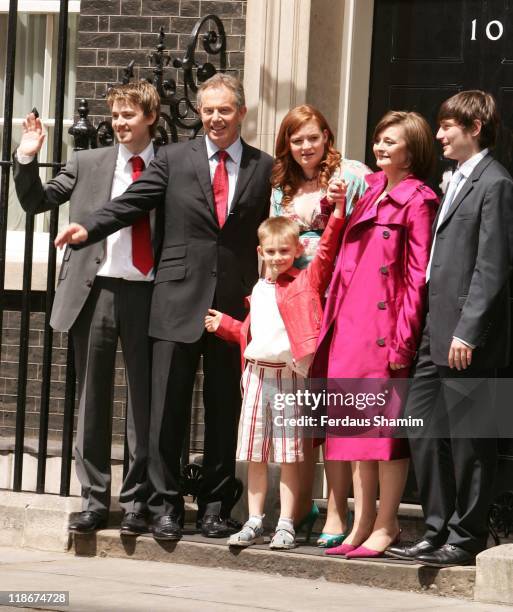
<point>286,173</point>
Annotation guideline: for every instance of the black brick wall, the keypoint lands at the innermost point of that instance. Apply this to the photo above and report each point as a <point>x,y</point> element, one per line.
<point>113,32</point>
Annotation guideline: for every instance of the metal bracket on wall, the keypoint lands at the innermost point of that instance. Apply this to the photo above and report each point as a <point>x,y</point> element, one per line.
<point>500,516</point>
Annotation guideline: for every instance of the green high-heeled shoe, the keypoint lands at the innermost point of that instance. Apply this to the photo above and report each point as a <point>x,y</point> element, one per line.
<point>307,522</point>
<point>330,540</point>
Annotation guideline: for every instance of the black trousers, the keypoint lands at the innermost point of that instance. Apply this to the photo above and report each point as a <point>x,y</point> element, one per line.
<point>455,472</point>
<point>114,309</point>
<point>174,370</point>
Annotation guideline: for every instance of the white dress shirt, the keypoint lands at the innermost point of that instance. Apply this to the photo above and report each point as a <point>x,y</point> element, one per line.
<point>118,246</point>
<point>466,170</point>
<point>232,164</point>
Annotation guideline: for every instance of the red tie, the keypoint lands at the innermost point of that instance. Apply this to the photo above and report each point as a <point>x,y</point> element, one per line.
<point>220,188</point>
<point>142,250</point>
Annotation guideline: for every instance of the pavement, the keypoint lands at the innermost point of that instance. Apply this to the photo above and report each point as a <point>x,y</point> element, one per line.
<point>110,584</point>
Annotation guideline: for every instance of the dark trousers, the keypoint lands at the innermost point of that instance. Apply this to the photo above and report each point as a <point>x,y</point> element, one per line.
<point>455,474</point>
<point>114,309</point>
<point>173,376</point>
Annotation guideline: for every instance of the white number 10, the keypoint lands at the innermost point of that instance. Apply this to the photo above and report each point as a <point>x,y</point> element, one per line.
<point>495,25</point>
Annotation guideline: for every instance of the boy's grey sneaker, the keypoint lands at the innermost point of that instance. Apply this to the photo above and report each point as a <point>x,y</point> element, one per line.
<point>283,539</point>
<point>252,532</point>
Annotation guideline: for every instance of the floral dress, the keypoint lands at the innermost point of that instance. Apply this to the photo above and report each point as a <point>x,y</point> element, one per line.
<point>353,173</point>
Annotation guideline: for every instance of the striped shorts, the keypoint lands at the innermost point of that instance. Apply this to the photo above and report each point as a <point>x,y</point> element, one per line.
<point>262,436</point>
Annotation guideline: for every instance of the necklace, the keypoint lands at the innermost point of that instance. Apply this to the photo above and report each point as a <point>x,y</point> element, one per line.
<point>310,180</point>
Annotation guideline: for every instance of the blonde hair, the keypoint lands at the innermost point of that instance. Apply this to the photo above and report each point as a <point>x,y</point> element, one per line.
<point>140,93</point>
<point>278,226</point>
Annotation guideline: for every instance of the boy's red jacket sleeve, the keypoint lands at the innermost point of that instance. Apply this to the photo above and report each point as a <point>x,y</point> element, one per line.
<point>229,329</point>
<point>321,268</point>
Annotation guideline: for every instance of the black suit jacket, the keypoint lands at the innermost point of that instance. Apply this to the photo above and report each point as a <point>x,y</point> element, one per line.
<point>469,284</point>
<point>200,263</point>
<point>86,181</point>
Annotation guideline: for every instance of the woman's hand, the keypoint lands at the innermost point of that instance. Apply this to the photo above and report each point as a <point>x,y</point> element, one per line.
<point>336,194</point>
<point>213,320</point>
<point>396,366</point>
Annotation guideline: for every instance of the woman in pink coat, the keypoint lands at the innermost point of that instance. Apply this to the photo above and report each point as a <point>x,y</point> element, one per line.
<point>375,310</point>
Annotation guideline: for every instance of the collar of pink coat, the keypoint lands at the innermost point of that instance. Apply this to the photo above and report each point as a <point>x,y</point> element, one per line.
<point>400,193</point>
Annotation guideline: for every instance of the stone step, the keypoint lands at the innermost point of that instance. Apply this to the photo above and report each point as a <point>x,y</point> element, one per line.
<point>306,561</point>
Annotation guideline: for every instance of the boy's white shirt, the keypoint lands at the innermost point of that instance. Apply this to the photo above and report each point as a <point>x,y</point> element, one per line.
<point>269,339</point>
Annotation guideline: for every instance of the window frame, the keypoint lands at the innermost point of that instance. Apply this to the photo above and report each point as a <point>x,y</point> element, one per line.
<point>50,8</point>
<point>40,6</point>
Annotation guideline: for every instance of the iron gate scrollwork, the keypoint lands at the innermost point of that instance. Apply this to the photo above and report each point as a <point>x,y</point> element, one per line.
<point>182,116</point>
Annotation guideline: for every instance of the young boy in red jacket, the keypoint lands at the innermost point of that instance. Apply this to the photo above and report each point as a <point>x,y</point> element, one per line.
<point>278,341</point>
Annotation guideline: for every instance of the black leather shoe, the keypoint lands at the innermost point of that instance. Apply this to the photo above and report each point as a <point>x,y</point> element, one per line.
<point>133,523</point>
<point>213,526</point>
<point>230,522</point>
<point>447,556</point>
<point>167,527</point>
<point>87,522</point>
<point>411,551</point>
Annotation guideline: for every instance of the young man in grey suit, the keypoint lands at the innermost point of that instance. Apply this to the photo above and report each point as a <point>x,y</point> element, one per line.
<point>214,192</point>
<point>466,336</point>
<point>104,293</point>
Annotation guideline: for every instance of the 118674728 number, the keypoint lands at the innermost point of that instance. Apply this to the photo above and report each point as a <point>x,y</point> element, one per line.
<point>22,598</point>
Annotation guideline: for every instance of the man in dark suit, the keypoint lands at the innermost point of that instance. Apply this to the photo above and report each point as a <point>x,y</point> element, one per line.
<point>104,293</point>
<point>215,192</point>
<point>466,337</point>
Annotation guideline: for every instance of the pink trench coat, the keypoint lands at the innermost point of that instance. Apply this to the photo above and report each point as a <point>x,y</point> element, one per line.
<point>376,302</point>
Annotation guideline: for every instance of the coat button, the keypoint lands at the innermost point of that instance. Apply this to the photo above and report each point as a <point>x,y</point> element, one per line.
<point>382,305</point>
<point>384,269</point>
<point>89,282</point>
<point>386,234</point>
<point>98,260</point>
<point>213,273</point>
<point>380,341</point>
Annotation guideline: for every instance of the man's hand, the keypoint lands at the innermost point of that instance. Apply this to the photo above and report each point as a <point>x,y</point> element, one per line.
<point>33,136</point>
<point>336,194</point>
<point>213,320</point>
<point>72,234</point>
<point>460,355</point>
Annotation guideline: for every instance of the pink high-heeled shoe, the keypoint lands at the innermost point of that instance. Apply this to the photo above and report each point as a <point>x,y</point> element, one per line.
<point>361,552</point>
<point>364,553</point>
<point>343,549</point>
